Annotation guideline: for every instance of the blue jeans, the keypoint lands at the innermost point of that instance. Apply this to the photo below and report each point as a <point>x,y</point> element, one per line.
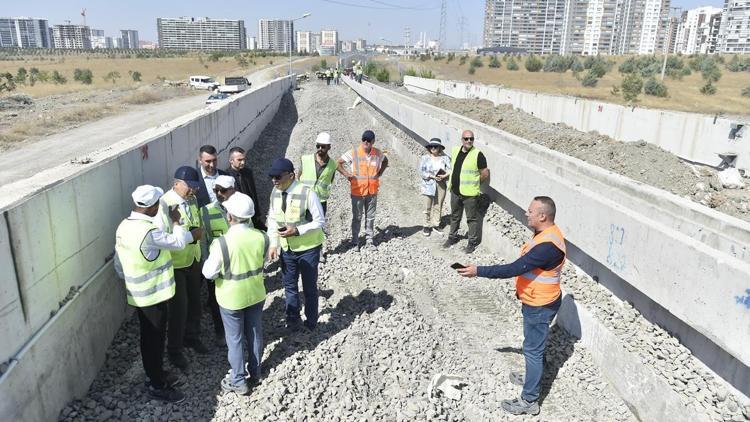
<point>240,326</point>
<point>536,320</point>
<point>294,265</point>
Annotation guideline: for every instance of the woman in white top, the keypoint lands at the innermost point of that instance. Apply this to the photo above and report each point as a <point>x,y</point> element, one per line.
<point>435,169</point>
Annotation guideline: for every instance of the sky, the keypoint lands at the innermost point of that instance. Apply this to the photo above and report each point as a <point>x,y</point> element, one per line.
<point>368,19</point>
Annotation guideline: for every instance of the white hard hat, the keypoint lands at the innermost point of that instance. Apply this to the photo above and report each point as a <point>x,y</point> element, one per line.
<point>146,195</point>
<point>240,205</point>
<point>323,138</point>
<point>225,181</point>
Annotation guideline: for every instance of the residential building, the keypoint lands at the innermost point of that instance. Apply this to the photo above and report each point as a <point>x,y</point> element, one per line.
<point>672,28</point>
<point>641,27</point>
<point>361,45</point>
<point>347,46</point>
<point>590,27</point>
<point>24,33</point>
<point>117,42</point>
<point>129,38</point>
<point>275,35</point>
<point>329,38</point>
<point>72,36</point>
<point>252,43</point>
<point>694,32</point>
<point>734,31</point>
<point>316,41</point>
<point>98,39</point>
<point>108,42</point>
<point>304,42</point>
<point>189,33</point>
<point>535,26</point>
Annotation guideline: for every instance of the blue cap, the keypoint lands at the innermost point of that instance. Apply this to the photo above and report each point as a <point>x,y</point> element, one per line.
<point>368,135</point>
<point>281,165</point>
<point>188,175</point>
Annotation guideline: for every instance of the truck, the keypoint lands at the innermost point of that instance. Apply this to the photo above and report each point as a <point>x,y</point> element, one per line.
<point>234,84</point>
<point>202,82</point>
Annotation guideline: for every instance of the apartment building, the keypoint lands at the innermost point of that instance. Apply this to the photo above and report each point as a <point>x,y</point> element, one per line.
<point>275,35</point>
<point>535,26</point>
<point>361,44</point>
<point>129,38</point>
<point>316,41</point>
<point>329,38</point>
<point>189,33</point>
<point>304,42</point>
<point>589,27</point>
<point>72,36</point>
<point>734,31</point>
<point>695,33</point>
<point>24,33</point>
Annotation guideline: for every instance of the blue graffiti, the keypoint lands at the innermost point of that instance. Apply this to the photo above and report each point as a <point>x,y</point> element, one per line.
<point>744,300</point>
<point>616,253</point>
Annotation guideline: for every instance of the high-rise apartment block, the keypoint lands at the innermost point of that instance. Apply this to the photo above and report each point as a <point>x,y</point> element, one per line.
<point>188,33</point>
<point>304,42</point>
<point>72,36</point>
<point>275,35</point>
<point>24,33</point>
<point>329,39</point>
<point>98,39</point>
<point>695,33</point>
<point>734,31</point>
<point>129,38</point>
<point>361,45</point>
<point>252,43</point>
<point>536,26</point>
<point>316,41</point>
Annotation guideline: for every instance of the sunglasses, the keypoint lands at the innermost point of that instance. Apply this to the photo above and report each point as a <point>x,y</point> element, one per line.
<point>220,190</point>
<point>279,177</point>
<point>469,139</point>
<point>322,146</point>
<point>368,141</point>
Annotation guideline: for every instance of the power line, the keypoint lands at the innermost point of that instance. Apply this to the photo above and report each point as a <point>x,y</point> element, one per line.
<point>396,6</point>
<point>384,5</point>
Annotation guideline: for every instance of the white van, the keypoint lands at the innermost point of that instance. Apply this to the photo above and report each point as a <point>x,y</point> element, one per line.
<point>202,82</point>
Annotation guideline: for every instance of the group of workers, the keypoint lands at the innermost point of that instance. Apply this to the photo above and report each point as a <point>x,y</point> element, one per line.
<point>208,227</point>
<point>333,74</point>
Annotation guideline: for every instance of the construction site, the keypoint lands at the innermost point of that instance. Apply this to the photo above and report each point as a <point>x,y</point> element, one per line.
<point>655,316</point>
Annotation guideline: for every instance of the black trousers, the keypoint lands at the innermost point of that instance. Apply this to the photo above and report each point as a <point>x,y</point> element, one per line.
<point>324,204</point>
<point>153,322</point>
<point>185,308</point>
<point>213,307</point>
<point>473,219</point>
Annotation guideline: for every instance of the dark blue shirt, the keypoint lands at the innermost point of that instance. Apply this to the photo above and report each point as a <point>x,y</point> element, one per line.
<point>544,255</point>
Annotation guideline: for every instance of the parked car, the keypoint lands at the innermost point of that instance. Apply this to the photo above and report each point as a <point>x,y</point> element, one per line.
<point>216,97</point>
<point>202,82</point>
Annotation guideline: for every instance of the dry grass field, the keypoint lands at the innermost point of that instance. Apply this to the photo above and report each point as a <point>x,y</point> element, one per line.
<point>683,95</point>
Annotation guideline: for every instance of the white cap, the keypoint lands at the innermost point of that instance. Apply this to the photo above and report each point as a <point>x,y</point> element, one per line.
<point>240,205</point>
<point>323,138</point>
<point>225,181</point>
<point>146,195</point>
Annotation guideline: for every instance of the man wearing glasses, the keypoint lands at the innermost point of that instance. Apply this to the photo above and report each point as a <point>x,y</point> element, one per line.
<point>469,171</point>
<point>295,225</point>
<point>317,170</point>
<point>363,166</point>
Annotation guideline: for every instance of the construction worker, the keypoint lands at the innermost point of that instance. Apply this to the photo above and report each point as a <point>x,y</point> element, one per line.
<point>185,307</point>
<point>295,230</point>
<point>363,166</point>
<point>537,274</point>
<point>143,260</point>
<point>469,170</point>
<point>358,71</point>
<point>336,75</point>
<point>317,170</point>
<point>235,262</point>
<point>329,76</point>
<point>216,225</point>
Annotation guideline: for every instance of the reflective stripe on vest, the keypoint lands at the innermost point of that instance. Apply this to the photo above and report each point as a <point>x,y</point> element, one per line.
<point>365,181</point>
<point>214,222</point>
<point>296,213</point>
<point>185,257</point>
<point>470,180</point>
<point>240,281</point>
<point>540,287</point>
<point>309,177</point>
<point>146,282</point>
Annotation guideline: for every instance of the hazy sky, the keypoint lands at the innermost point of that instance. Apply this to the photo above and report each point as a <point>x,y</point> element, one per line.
<point>369,19</point>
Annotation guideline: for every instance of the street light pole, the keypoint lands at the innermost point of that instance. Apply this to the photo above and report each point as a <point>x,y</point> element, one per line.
<point>291,38</point>
<point>666,43</point>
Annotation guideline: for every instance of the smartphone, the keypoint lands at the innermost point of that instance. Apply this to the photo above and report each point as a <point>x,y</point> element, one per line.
<point>457,266</point>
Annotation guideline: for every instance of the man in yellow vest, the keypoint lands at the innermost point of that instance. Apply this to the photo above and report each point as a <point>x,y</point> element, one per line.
<point>185,307</point>
<point>143,260</point>
<point>295,230</point>
<point>216,225</point>
<point>537,274</point>
<point>235,262</point>
<point>317,170</point>
<point>469,170</point>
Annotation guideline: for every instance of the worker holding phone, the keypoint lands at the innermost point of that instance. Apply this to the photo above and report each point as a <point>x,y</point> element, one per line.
<point>537,274</point>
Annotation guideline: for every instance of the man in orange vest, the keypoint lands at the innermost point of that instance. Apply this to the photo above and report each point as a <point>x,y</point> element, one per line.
<point>537,274</point>
<point>363,166</point>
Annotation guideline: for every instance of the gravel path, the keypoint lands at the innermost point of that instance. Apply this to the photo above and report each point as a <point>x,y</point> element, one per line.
<point>391,318</point>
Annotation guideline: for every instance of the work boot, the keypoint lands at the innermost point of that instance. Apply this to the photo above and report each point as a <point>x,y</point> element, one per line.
<point>516,378</point>
<point>426,231</point>
<point>170,379</point>
<point>198,346</point>
<point>450,241</point>
<point>520,406</point>
<point>241,388</point>
<point>178,360</point>
<point>469,248</point>
<point>166,394</point>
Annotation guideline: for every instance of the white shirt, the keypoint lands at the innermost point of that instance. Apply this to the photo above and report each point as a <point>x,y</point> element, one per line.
<point>212,266</point>
<point>182,203</point>
<point>210,182</point>
<point>316,211</point>
<point>156,240</point>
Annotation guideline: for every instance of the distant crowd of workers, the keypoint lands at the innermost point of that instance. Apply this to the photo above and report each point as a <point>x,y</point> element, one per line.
<point>208,230</point>
<point>334,74</point>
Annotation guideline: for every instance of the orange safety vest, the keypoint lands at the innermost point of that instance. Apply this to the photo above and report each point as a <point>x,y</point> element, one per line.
<point>540,287</point>
<point>365,181</point>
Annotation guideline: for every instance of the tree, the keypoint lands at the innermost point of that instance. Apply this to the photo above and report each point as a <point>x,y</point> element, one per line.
<point>512,65</point>
<point>58,79</point>
<point>462,60</point>
<point>241,60</point>
<point>655,88</point>
<point>83,76</point>
<point>589,80</point>
<point>708,89</point>
<point>410,72</point>
<point>6,82</point>
<point>494,62</point>
<point>533,64</point>
<point>21,76</point>
<point>112,76</point>
<point>472,70</point>
<point>577,66</point>
<point>631,87</point>
<point>476,61</point>
<point>323,64</point>
<point>136,75</point>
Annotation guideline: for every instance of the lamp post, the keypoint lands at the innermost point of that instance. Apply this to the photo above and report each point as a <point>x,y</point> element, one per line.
<point>676,11</point>
<point>291,38</point>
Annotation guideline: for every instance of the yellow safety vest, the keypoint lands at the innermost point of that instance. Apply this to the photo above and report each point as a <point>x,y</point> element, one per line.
<point>192,252</point>
<point>296,210</point>
<point>469,172</point>
<point>309,177</point>
<point>214,222</point>
<point>240,281</point>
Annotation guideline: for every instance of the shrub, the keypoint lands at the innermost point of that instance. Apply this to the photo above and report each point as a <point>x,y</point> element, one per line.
<point>557,63</point>
<point>112,76</point>
<point>426,73</point>
<point>738,65</point>
<point>598,69</point>
<point>533,64</point>
<point>382,75</point>
<point>58,79</point>
<point>710,72</point>
<point>241,61</point>
<point>323,64</point>
<point>83,76</point>
<point>472,69</point>
<point>589,80</point>
<point>494,62</point>
<point>21,76</point>
<point>477,61</point>
<point>6,82</point>
<point>631,86</point>
<point>708,89</point>
<point>576,66</point>
<point>655,88</point>
<point>136,75</point>
<point>450,57</point>
<point>410,72</point>
<point>512,65</point>
<point>424,57</point>
<point>462,60</point>
<point>746,92</point>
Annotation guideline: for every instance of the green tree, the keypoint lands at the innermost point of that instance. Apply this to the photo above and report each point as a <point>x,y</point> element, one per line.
<point>136,75</point>
<point>708,89</point>
<point>494,62</point>
<point>21,75</point>
<point>477,61</point>
<point>512,65</point>
<point>589,80</point>
<point>533,64</point>
<point>654,88</point>
<point>58,79</point>
<point>112,76</point>
<point>6,82</point>
<point>631,87</point>
<point>462,60</point>
<point>323,64</point>
<point>83,76</point>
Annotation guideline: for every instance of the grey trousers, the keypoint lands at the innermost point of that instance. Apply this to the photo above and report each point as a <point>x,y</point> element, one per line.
<point>364,205</point>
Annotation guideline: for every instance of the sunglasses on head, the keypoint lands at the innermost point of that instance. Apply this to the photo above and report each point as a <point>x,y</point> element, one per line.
<point>471,138</point>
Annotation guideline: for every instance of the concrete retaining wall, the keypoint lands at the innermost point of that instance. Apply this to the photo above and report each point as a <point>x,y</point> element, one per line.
<point>691,136</point>
<point>57,233</point>
<point>666,247</point>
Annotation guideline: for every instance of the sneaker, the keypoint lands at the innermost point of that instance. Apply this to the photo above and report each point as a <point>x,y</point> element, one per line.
<point>172,379</point>
<point>450,241</point>
<point>516,378</point>
<point>166,394</point>
<point>178,360</point>
<point>469,248</point>
<point>437,230</point>
<point>369,244</point>
<point>241,388</point>
<point>520,406</point>
<point>198,346</point>
<point>426,231</point>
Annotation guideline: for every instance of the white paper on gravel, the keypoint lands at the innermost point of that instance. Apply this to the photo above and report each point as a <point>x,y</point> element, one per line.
<point>448,385</point>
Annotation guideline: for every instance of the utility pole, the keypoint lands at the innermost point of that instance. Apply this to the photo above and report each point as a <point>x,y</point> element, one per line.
<point>443,24</point>
<point>83,13</point>
<point>676,10</point>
